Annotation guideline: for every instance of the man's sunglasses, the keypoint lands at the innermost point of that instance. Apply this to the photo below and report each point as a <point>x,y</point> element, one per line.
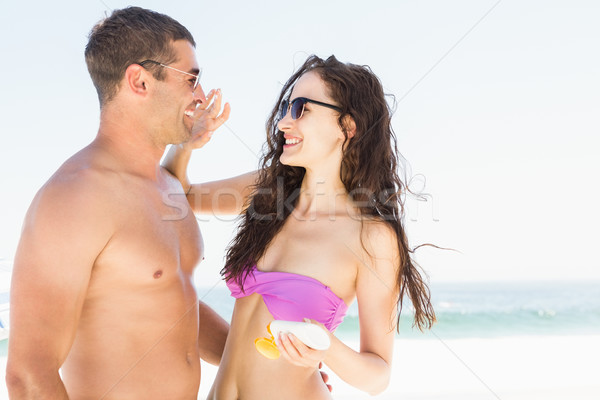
<point>297,107</point>
<point>194,80</point>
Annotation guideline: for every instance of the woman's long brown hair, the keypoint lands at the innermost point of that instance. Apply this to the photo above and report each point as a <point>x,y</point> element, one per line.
<point>368,172</point>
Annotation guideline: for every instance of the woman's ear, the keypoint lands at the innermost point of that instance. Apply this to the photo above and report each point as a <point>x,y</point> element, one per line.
<point>349,126</point>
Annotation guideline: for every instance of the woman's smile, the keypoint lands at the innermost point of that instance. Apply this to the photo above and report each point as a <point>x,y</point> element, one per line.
<point>291,141</point>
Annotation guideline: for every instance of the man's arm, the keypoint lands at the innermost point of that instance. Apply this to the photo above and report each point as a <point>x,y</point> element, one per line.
<point>63,233</point>
<point>212,334</point>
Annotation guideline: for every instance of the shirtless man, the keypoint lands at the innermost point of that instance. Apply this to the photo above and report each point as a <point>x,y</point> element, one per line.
<point>102,283</point>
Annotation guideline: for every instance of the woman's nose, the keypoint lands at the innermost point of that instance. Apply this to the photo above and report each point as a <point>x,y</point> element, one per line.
<point>285,122</point>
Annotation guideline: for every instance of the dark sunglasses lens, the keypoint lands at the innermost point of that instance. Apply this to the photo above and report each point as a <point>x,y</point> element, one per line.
<point>297,108</point>
<point>283,109</point>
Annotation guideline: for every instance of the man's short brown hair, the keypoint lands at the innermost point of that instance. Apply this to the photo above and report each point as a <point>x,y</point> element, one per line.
<point>129,36</point>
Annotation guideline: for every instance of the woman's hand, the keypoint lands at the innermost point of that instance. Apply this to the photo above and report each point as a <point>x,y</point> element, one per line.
<point>208,119</point>
<point>296,352</point>
<point>325,377</point>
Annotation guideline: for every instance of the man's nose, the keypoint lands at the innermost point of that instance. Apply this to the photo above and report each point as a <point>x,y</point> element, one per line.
<point>199,95</point>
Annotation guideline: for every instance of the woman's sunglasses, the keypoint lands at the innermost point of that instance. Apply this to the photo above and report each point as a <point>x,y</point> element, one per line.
<point>297,107</point>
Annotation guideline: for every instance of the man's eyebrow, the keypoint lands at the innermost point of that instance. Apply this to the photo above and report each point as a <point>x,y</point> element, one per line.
<point>194,71</point>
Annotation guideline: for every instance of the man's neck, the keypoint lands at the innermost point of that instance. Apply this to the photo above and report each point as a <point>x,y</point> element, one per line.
<point>130,143</point>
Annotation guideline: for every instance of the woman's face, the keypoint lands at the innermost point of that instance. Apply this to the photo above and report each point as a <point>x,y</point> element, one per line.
<point>315,138</point>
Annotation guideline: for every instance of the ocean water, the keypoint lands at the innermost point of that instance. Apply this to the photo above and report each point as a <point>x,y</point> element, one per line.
<point>514,341</point>
<point>482,310</point>
<point>472,310</point>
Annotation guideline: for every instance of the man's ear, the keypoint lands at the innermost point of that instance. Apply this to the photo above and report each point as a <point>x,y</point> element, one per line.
<point>136,78</point>
<point>349,126</point>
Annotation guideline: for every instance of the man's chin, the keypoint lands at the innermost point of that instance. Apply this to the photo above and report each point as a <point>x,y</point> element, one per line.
<point>187,131</point>
<point>183,136</point>
<point>189,128</point>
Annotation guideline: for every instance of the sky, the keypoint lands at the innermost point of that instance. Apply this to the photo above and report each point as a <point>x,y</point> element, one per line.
<point>496,115</point>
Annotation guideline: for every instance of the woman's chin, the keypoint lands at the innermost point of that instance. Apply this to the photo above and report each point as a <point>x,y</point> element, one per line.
<point>290,162</point>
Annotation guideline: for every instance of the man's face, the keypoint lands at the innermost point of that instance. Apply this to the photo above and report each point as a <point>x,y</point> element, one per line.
<point>175,99</point>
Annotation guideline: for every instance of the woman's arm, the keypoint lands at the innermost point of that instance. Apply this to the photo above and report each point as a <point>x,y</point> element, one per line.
<point>222,197</point>
<point>207,120</point>
<point>369,369</point>
<point>225,196</point>
<point>177,159</point>
<point>377,294</point>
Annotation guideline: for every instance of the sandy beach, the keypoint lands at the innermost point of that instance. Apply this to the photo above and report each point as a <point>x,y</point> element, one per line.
<point>509,368</point>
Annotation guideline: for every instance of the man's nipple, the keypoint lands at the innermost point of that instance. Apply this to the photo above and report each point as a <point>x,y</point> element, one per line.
<point>158,274</point>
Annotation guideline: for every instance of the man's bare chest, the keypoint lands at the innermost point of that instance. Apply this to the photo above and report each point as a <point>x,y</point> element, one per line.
<point>156,239</point>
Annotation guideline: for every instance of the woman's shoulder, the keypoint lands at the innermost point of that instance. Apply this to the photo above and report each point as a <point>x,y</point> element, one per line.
<point>378,227</point>
<point>381,257</point>
<point>379,238</point>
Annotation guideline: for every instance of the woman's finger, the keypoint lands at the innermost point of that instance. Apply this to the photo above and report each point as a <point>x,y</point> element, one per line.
<point>299,346</point>
<point>204,105</point>
<point>287,350</point>
<point>215,107</point>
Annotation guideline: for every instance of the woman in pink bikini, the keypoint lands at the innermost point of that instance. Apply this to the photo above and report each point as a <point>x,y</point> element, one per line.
<point>322,228</point>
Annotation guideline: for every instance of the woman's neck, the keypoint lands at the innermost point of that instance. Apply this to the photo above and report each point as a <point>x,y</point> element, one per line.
<point>322,194</point>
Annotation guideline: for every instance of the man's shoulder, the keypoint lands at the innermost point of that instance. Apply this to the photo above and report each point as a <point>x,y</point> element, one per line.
<point>81,183</point>
<point>86,171</point>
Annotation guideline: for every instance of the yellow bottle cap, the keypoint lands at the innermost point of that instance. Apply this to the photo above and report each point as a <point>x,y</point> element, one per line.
<point>267,348</point>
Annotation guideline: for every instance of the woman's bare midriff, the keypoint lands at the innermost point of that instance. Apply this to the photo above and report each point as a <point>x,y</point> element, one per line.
<point>244,374</point>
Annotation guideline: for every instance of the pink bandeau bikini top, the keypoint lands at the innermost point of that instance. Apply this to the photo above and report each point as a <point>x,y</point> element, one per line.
<point>293,297</point>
